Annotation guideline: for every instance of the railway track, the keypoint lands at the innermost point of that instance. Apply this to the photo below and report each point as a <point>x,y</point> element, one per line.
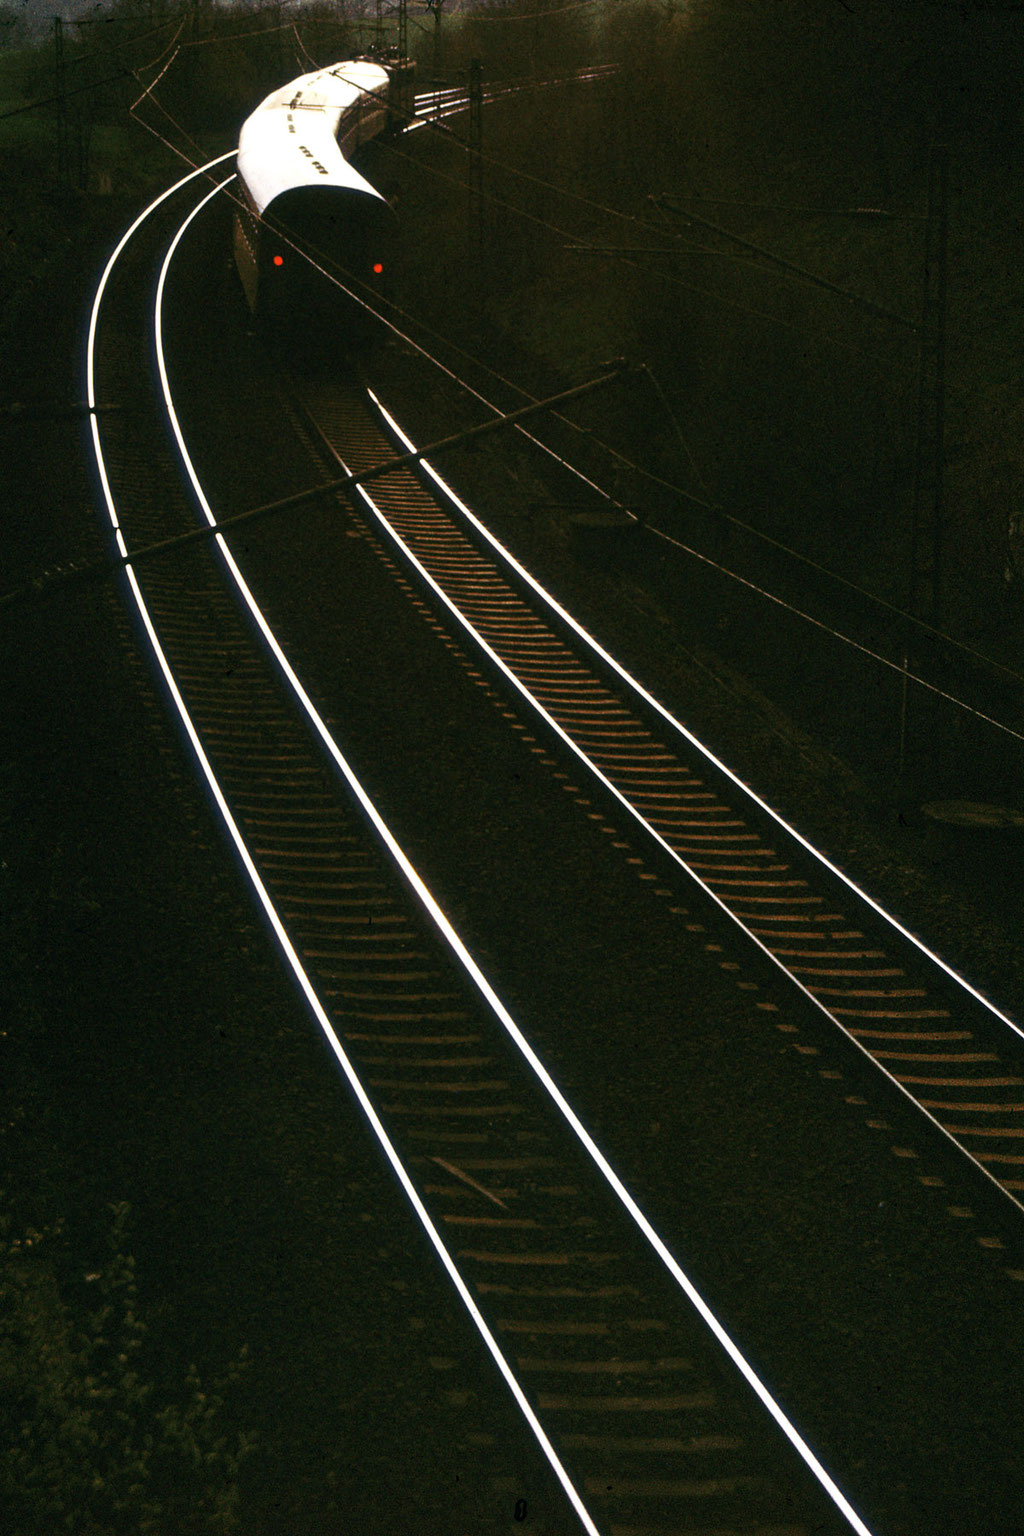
<point>934,1039</point>
<point>642,1416</point>
<point>648,1415</point>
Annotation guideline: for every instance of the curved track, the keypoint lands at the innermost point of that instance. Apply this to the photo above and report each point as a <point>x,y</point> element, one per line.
<point>937,1041</point>
<point>649,1416</point>
<point>535,1232</point>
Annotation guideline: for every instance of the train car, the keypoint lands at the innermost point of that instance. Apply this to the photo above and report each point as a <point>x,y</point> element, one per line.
<point>303,207</point>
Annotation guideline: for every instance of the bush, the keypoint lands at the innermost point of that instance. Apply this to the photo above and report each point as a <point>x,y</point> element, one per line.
<point>93,1444</point>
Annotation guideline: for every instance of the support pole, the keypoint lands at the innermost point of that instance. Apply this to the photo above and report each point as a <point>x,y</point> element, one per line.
<point>927,513</point>
<point>928,510</point>
<point>63,148</point>
<point>436,6</point>
<point>476,162</point>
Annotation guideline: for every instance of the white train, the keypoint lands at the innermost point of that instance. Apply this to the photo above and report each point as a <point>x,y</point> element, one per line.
<point>301,199</point>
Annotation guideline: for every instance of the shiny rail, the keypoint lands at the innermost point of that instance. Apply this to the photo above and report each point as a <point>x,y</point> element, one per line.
<point>391,1004</point>
<point>926,1029</point>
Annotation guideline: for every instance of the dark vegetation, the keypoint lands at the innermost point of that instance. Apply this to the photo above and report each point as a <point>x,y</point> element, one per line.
<point>807,131</point>
<point>748,207</point>
<point>93,1439</point>
<point>805,128</point>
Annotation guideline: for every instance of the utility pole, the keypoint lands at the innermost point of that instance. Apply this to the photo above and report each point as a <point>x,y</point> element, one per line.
<point>476,161</point>
<point>436,8</point>
<point>403,32</point>
<point>63,150</point>
<point>927,516</point>
<point>927,513</point>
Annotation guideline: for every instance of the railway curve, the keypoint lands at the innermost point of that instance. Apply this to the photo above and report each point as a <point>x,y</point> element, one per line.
<point>287,803</point>
<point>390,999</point>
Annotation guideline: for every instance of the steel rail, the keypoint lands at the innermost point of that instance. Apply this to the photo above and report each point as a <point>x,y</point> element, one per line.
<point>487,992</point>
<point>260,890</point>
<point>641,819</point>
<point>887,917</point>
<point>593,645</point>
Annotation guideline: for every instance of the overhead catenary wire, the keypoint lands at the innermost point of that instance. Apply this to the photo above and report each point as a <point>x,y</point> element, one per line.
<point>478,362</point>
<point>836,634</point>
<point>783,603</point>
<point>128,71</point>
<point>967,391</point>
<point>892,609</point>
<point>911,619</point>
<point>233,37</point>
<point>76,90</point>
<point>787,266</point>
<point>150,88</point>
<point>631,218</point>
<point>149,92</point>
<point>99,51</point>
<point>671,278</point>
<point>558,10</point>
<point>302,47</point>
<point>799,613</point>
<point>148,95</point>
<point>574,242</point>
<point>100,569</point>
<point>710,505</point>
<point>799,208</point>
<point>730,518</point>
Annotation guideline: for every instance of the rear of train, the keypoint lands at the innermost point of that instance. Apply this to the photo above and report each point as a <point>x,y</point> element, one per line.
<point>312,237</point>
